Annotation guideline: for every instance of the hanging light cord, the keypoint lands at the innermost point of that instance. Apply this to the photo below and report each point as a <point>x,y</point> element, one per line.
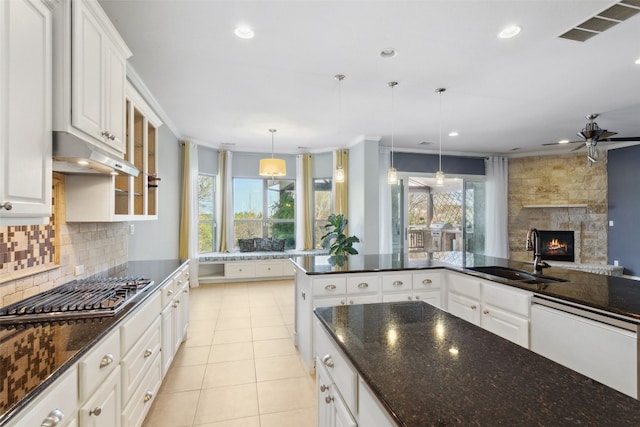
<point>440,130</point>
<point>393,109</point>
<point>272,132</point>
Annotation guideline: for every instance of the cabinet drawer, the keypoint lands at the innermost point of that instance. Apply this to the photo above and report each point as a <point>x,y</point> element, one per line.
<point>143,397</point>
<point>61,396</point>
<point>271,268</point>
<point>136,363</point>
<point>239,269</point>
<point>329,286</point>
<point>396,283</point>
<point>133,328</point>
<point>513,300</point>
<point>426,281</point>
<point>369,284</point>
<point>167,290</point>
<point>465,285</point>
<point>340,370</point>
<point>96,365</point>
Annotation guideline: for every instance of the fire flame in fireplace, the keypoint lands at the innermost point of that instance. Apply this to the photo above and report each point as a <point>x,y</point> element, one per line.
<point>554,246</point>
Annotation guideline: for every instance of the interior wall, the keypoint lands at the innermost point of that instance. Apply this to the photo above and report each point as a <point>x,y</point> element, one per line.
<point>559,180</point>
<point>624,208</point>
<point>153,240</point>
<point>364,197</point>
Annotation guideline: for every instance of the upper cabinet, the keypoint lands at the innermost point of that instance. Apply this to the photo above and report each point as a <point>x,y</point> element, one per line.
<point>90,75</point>
<point>25,111</point>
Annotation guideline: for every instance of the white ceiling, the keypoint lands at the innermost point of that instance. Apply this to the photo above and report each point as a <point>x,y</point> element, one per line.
<point>501,94</point>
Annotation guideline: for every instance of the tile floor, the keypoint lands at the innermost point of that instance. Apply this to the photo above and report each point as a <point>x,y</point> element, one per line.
<point>238,366</point>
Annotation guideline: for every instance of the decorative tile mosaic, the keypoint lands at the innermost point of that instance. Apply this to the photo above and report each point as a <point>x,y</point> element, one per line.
<point>26,246</point>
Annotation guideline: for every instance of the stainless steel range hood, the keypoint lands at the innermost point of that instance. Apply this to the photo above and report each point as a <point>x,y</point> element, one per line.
<point>69,150</point>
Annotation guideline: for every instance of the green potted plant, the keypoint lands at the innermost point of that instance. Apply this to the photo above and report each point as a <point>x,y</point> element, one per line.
<point>339,244</point>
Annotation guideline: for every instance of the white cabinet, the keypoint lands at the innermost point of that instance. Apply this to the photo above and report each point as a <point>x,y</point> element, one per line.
<point>407,286</point>
<point>370,410</point>
<point>606,353</point>
<point>103,408</point>
<point>175,315</point>
<point>249,270</point>
<point>105,198</point>
<point>98,363</point>
<point>25,112</point>
<point>90,72</point>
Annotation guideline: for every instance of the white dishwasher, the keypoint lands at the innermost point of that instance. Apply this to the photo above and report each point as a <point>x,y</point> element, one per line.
<point>596,345</point>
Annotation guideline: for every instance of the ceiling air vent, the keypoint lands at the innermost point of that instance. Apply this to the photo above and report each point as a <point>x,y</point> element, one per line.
<point>604,20</point>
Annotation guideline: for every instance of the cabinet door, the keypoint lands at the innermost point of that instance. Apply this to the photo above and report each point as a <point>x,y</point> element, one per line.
<point>25,111</point>
<point>239,269</point>
<point>269,269</point>
<point>103,409</point>
<point>397,297</point>
<point>87,70</point>
<point>464,307</point>
<point>167,338</point>
<point>323,397</point>
<point>434,297</point>
<point>341,415</point>
<point>363,299</point>
<point>505,324</point>
<point>114,97</point>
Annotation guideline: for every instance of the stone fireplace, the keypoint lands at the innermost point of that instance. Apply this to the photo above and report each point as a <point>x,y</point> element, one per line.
<point>557,245</point>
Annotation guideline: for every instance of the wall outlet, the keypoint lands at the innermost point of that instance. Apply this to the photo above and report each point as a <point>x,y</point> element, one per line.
<point>611,223</point>
<point>132,229</point>
<point>615,262</point>
<point>78,270</point>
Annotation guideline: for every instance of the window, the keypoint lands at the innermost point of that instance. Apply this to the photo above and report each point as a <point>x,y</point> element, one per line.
<point>206,214</point>
<point>321,208</point>
<point>264,208</point>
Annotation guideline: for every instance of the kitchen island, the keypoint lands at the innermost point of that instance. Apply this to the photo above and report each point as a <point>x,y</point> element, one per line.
<point>426,367</point>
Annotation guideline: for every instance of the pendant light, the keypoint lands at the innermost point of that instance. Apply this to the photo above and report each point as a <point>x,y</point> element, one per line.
<point>392,175</point>
<point>271,166</point>
<point>339,173</point>
<point>440,174</point>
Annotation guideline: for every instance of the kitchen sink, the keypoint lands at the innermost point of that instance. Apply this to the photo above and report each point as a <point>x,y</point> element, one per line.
<point>517,275</point>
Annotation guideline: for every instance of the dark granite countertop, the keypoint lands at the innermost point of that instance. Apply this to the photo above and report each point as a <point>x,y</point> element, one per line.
<point>616,296</point>
<point>33,355</point>
<point>486,381</point>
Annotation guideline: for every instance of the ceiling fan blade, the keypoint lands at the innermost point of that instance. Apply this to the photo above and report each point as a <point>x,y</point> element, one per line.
<point>629,139</point>
<point>577,148</point>
<point>606,135</point>
<point>557,143</point>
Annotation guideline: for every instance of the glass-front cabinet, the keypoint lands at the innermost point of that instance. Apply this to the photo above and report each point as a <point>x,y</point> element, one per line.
<point>122,197</point>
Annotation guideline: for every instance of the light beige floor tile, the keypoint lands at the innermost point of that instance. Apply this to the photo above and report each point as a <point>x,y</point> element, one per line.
<point>280,367</point>
<point>233,313</point>
<point>240,422</point>
<point>285,395</point>
<point>231,351</point>
<point>269,333</point>
<point>183,378</point>
<point>231,336</point>
<point>265,311</point>
<point>202,324</point>
<point>188,356</point>
<point>234,301</point>
<point>274,320</point>
<point>271,348</point>
<point>297,418</point>
<point>229,373</point>
<point>204,313</point>
<point>291,330</point>
<point>199,338</point>
<point>266,300</point>
<point>173,410</point>
<point>226,403</point>
<point>233,323</point>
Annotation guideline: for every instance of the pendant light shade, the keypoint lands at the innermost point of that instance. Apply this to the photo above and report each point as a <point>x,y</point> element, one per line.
<point>440,174</point>
<point>339,172</point>
<point>392,174</point>
<point>271,166</point>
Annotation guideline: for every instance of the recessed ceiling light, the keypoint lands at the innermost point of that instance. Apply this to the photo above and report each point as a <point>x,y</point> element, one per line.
<point>638,61</point>
<point>563,141</point>
<point>388,53</point>
<point>83,162</point>
<point>454,133</point>
<point>510,31</point>
<point>244,32</point>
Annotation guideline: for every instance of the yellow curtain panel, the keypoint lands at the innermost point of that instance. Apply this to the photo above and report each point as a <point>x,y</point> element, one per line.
<point>223,220</point>
<point>307,177</point>
<point>185,206</point>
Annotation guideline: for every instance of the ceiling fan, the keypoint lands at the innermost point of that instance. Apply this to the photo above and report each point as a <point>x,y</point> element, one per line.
<point>591,134</point>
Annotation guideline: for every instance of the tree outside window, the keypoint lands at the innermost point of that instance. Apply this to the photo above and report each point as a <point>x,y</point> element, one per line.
<point>206,214</point>
<point>322,208</point>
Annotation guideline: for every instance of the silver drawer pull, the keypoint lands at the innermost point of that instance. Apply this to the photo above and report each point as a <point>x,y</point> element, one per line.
<point>6,205</point>
<point>53,419</point>
<point>97,411</point>
<point>328,361</point>
<point>330,287</point>
<point>328,400</point>
<point>148,396</point>
<point>185,291</point>
<point>148,352</point>
<point>351,301</point>
<point>323,388</point>
<point>417,296</point>
<point>169,292</point>
<point>398,283</point>
<point>427,282</point>
<point>363,285</point>
<point>485,311</point>
<point>473,307</point>
<point>107,360</point>
<point>409,297</point>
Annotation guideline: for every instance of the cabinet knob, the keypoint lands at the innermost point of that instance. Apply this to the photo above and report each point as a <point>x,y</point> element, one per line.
<point>427,282</point>
<point>328,400</point>
<point>473,307</point>
<point>330,287</point>
<point>363,285</point>
<point>186,291</point>
<point>398,283</point>
<point>53,419</point>
<point>323,388</point>
<point>485,311</point>
<point>417,296</point>
<point>169,292</point>
<point>6,205</point>
<point>409,297</point>
<point>328,360</point>
<point>97,411</point>
<point>108,135</point>
<point>147,396</point>
<point>350,301</point>
<point>175,304</point>
<point>148,352</point>
<point>107,360</point>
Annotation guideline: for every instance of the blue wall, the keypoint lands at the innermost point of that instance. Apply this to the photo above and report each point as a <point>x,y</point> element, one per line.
<point>624,208</point>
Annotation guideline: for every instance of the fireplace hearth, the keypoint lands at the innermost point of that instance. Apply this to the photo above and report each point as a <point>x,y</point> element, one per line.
<point>557,245</point>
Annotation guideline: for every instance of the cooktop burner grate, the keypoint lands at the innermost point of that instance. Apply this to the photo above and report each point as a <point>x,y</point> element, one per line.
<point>88,297</point>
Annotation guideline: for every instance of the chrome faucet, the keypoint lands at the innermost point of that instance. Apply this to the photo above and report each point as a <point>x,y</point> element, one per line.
<point>533,244</point>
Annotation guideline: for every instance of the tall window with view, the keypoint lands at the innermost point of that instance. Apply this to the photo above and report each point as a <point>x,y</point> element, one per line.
<point>206,214</point>
<point>322,208</point>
